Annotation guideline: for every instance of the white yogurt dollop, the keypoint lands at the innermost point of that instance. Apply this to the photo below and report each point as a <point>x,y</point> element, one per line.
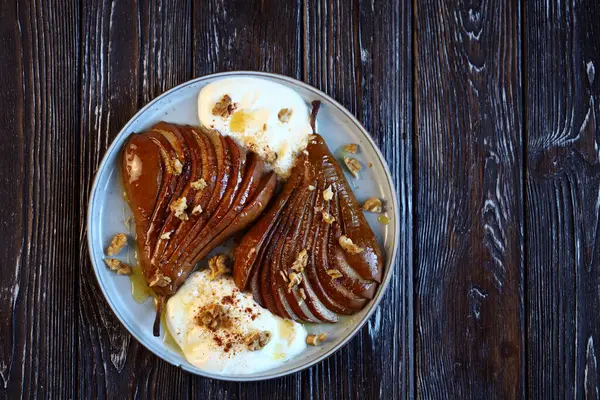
<point>255,122</point>
<point>223,350</point>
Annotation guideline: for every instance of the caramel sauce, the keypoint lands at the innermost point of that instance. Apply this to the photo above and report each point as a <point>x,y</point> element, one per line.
<point>168,339</point>
<point>239,121</point>
<point>140,291</point>
<point>383,219</point>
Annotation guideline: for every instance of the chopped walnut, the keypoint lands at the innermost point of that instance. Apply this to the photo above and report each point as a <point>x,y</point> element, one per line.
<point>166,235</point>
<point>334,273</point>
<point>257,340</point>
<point>211,316</point>
<point>295,280</point>
<point>349,246</point>
<point>116,244</point>
<point>315,340</point>
<point>284,276</point>
<point>302,293</point>
<point>178,207</point>
<point>353,165</point>
<point>217,266</point>
<point>177,167</point>
<point>305,152</point>
<point>373,205</point>
<point>284,115</point>
<point>351,148</point>
<point>330,219</point>
<point>328,193</point>
<point>311,187</point>
<point>200,184</point>
<point>197,210</point>
<point>119,267</point>
<point>223,108</point>
<point>159,280</point>
<point>300,261</point>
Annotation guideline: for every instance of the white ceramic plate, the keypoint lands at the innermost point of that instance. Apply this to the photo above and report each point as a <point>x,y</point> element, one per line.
<point>108,211</point>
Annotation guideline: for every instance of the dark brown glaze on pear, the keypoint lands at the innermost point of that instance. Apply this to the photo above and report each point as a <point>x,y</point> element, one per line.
<point>269,249</point>
<point>238,188</point>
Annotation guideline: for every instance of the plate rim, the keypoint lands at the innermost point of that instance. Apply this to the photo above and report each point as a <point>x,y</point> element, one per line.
<point>373,304</point>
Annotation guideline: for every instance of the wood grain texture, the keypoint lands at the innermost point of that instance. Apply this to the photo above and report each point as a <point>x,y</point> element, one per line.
<point>131,52</point>
<point>562,58</point>
<point>38,142</point>
<point>469,215</point>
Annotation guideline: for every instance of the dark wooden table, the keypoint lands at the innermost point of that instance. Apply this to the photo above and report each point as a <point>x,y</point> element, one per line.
<point>488,113</point>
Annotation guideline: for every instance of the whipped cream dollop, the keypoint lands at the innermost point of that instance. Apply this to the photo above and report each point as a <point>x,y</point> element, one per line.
<point>266,117</point>
<point>223,347</point>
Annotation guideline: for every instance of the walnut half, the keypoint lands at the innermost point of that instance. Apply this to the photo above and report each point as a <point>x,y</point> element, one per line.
<point>372,205</point>
<point>211,316</point>
<point>119,267</point>
<point>159,280</point>
<point>315,340</point>
<point>217,266</point>
<point>349,246</point>
<point>353,165</point>
<point>117,243</point>
<point>223,108</point>
<point>301,261</point>
<point>178,207</point>
<point>257,340</point>
<point>284,115</point>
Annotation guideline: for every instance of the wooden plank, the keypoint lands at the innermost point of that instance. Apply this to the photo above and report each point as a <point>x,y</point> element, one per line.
<point>360,53</point>
<point>562,56</point>
<point>469,195</point>
<point>131,52</point>
<point>38,142</point>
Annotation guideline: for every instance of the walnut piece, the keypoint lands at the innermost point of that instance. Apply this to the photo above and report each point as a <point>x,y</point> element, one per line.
<point>211,316</point>
<point>119,267</point>
<point>315,340</point>
<point>302,293</point>
<point>305,152</point>
<point>116,244</point>
<point>300,261</point>
<point>328,193</point>
<point>295,280</point>
<point>166,235</point>
<point>311,187</point>
<point>177,167</point>
<point>223,108</point>
<point>284,115</point>
<point>257,340</point>
<point>330,219</point>
<point>334,273</point>
<point>351,148</point>
<point>197,210</point>
<point>159,280</point>
<point>373,205</point>
<point>353,165</point>
<point>200,184</point>
<point>217,266</point>
<point>178,207</point>
<point>349,246</point>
